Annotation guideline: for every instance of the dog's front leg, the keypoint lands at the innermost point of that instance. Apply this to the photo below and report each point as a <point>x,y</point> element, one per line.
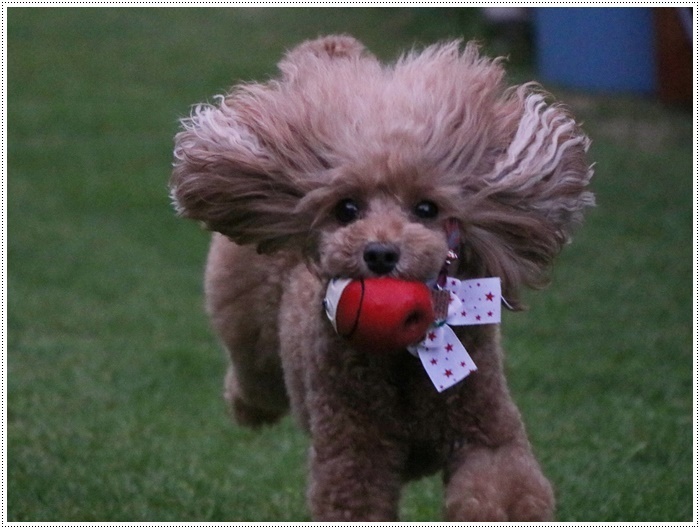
<point>354,472</point>
<point>491,474</point>
<point>501,484</point>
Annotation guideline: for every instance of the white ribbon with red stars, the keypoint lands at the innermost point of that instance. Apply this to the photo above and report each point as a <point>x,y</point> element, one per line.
<point>472,302</point>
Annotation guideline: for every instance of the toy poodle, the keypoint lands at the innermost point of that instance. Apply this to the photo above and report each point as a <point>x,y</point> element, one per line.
<point>427,170</point>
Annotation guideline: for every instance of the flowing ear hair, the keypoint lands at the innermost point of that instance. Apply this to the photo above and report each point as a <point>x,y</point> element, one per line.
<point>225,176</point>
<point>525,208</point>
<point>242,165</point>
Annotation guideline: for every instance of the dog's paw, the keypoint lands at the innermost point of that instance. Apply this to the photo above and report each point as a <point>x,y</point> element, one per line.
<point>475,510</point>
<point>534,507</point>
<point>492,508</point>
<point>499,485</point>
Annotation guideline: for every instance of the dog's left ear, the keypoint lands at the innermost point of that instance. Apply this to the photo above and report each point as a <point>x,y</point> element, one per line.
<point>535,194</point>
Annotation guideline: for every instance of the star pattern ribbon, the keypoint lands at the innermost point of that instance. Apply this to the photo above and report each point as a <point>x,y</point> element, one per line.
<point>471,302</point>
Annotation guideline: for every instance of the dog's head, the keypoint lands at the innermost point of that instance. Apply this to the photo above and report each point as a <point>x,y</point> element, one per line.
<point>360,165</point>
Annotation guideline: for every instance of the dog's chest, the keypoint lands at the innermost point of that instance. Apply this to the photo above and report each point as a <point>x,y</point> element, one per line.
<point>407,406</point>
<point>392,392</point>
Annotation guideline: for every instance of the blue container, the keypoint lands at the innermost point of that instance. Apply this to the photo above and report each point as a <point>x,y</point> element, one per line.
<point>597,49</point>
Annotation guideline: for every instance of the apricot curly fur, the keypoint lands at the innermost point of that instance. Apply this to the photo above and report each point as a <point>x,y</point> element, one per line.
<point>265,167</point>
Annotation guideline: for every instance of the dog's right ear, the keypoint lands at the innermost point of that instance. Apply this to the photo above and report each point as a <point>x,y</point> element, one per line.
<point>225,176</point>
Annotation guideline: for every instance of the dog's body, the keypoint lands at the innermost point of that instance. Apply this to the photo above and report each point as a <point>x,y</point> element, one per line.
<point>301,176</point>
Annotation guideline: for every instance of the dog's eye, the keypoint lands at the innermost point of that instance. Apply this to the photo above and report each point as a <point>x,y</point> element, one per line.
<point>425,209</point>
<point>346,211</point>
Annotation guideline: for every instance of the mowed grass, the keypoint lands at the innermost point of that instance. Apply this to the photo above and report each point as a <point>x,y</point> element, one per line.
<point>113,377</point>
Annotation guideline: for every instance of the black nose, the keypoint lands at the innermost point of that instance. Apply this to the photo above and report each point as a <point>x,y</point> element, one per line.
<point>381,258</point>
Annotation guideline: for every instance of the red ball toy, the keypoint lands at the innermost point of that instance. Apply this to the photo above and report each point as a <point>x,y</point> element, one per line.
<point>382,314</point>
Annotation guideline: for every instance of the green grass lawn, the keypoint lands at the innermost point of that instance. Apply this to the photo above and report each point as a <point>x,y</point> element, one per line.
<point>113,377</point>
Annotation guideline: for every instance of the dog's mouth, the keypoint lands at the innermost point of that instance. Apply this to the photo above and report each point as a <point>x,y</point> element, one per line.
<point>430,279</point>
<point>379,315</point>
